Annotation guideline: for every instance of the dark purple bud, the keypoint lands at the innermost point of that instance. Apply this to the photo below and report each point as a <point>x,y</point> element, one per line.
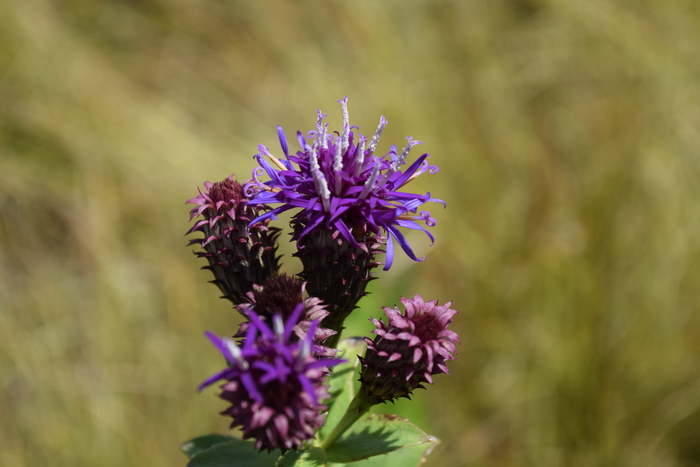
<point>337,271</point>
<point>238,256</point>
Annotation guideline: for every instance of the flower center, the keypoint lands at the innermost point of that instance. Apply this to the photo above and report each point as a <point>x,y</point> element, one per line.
<point>226,191</point>
<point>427,327</point>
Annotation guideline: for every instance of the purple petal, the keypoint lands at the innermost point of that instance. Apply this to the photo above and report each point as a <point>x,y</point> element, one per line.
<point>283,141</point>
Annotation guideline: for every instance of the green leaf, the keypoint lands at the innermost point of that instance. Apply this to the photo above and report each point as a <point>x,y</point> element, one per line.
<point>235,453</point>
<point>411,456</point>
<point>199,444</point>
<point>313,457</point>
<point>377,434</point>
<point>341,383</point>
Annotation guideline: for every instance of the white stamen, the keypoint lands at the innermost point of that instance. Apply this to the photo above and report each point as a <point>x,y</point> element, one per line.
<point>377,134</point>
<point>360,156</point>
<point>369,184</point>
<point>401,160</point>
<point>338,167</point>
<point>278,326</point>
<point>321,137</point>
<point>338,157</point>
<point>319,180</point>
<point>340,146</point>
<point>305,348</point>
<point>346,124</point>
<point>236,352</point>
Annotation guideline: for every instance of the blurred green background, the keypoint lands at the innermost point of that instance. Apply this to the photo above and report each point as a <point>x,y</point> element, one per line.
<point>567,133</point>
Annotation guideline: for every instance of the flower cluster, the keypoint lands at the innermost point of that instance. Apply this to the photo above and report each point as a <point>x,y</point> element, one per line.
<point>348,208</point>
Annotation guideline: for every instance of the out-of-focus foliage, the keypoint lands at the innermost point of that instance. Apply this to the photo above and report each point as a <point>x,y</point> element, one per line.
<point>568,136</point>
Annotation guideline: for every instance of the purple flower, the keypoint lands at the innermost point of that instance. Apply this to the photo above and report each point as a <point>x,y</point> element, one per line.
<point>274,383</point>
<point>283,295</point>
<point>342,187</point>
<point>238,256</point>
<point>409,350</point>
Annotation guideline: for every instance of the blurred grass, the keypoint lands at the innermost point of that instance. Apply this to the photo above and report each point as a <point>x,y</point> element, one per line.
<point>567,134</point>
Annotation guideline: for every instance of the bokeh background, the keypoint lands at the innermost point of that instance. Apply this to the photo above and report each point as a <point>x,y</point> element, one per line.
<point>567,133</point>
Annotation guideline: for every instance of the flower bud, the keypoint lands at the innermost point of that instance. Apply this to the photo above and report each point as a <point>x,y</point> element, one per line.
<point>239,256</point>
<point>410,349</point>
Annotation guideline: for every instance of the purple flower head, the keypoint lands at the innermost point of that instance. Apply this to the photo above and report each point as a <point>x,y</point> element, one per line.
<point>283,295</point>
<point>238,256</point>
<point>341,186</point>
<point>409,350</point>
<point>274,383</point>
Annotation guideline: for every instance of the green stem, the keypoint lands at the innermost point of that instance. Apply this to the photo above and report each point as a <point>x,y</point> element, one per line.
<point>359,406</point>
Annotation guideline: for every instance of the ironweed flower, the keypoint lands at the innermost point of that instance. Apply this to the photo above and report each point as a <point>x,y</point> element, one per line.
<point>282,294</point>
<point>350,206</point>
<point>343,187</point>
<point>408,350</point>
<point>274,383</point>
<point>238,256</point>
